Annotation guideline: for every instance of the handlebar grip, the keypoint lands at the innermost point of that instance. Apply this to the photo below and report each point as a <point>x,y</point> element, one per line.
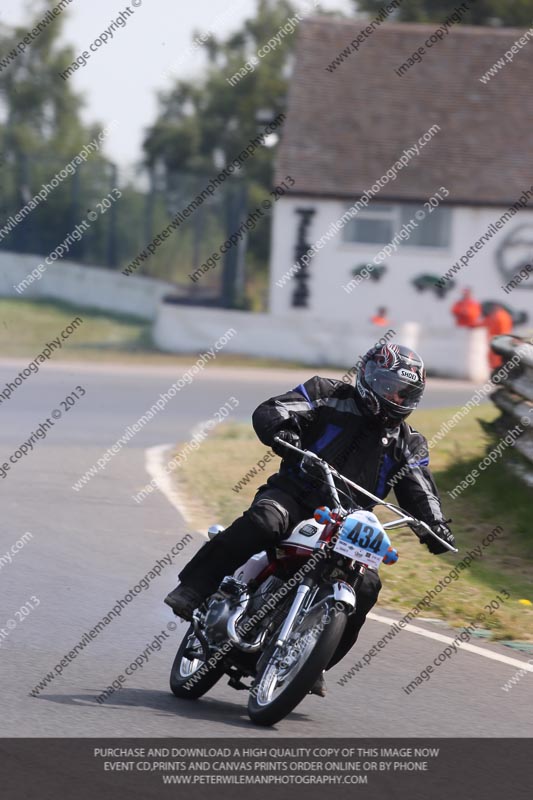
<point>426,530</point>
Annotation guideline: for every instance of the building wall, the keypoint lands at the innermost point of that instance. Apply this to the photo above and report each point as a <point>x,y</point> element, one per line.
<point>330,269</point>
<point>85,286</point>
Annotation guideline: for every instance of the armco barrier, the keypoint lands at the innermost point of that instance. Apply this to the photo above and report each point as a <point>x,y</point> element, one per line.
<point>514,397</point>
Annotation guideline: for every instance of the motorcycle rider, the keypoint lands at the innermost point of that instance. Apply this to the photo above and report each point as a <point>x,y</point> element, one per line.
<point>361,431</point>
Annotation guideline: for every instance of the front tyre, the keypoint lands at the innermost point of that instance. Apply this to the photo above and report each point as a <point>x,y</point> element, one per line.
<point>191,677</point>
<point>288,676</point>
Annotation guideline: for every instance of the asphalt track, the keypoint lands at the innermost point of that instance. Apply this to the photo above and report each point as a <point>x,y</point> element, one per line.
<point>90,547</point>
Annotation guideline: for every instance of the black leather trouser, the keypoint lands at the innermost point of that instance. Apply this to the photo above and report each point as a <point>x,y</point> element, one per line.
<point>269,518</point>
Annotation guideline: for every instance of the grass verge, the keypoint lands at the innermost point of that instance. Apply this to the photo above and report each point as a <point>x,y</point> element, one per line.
<point>495,499</point>
<point>27,325</point>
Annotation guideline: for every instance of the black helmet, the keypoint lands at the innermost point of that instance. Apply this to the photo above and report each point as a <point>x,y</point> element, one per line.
<point>390,382</point>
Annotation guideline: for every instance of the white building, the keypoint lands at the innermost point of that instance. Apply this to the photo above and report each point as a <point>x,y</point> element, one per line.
<point>353,127</point>
<point>347,127</point>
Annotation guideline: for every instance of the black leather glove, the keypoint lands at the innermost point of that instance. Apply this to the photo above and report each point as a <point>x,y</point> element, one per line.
<point>443,532</point>
<point>291,438</point>
<point>312,469</point>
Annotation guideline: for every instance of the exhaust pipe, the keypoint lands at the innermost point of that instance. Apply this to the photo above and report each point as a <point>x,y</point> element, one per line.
<point>233,636</point>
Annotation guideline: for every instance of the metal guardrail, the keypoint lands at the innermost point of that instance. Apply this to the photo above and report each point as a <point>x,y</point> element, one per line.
<point>514,398</point>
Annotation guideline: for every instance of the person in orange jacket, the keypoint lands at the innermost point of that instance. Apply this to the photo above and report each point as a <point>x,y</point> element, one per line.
<point>380,317</point>
<point>467,311</point>
<point>497,322</point>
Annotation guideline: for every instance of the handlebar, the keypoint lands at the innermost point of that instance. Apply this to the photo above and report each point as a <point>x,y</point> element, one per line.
<point>329,472</point>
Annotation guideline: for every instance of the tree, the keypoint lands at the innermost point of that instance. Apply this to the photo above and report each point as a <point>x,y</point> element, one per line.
<point>204,124</point>
<point>511,13</point>
<point>41,132</point>
<point>40,111</point>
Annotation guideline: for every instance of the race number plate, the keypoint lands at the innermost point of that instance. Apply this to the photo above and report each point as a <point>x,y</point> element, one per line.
<point>363,539</point>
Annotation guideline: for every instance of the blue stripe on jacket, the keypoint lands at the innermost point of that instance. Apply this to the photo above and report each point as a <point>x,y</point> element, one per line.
<point>302,390</point>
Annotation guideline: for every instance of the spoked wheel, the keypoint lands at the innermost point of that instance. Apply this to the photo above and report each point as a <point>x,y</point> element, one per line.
<point>289,672</point>
<point>191,677</point>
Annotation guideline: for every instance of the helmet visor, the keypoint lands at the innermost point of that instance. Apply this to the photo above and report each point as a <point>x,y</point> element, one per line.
<point>392,388</point>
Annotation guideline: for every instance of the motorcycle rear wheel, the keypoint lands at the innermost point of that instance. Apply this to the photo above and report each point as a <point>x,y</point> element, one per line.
<point>192,678</point>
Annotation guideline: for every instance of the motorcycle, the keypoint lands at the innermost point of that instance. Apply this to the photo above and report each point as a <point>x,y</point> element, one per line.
<point>279,618</point>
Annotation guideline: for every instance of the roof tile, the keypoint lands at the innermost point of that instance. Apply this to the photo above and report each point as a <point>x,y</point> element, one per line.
<point>345,128</point>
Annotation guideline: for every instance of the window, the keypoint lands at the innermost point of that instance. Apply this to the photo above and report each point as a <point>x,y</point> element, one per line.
<point>373,225</point>
<point>432,231</point>
<point>380,223</point>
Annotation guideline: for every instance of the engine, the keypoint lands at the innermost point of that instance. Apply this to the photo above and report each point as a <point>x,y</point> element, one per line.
<point>258,603</point>
<point>230,595</point>
<point>262,593</point>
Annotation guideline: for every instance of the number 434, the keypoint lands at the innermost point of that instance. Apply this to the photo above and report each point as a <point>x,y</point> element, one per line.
<point>366,536</point>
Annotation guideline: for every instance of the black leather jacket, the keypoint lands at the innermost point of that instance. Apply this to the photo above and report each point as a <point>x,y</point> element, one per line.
<point>326,415</point>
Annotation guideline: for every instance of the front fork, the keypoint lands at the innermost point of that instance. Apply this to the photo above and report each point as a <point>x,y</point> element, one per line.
<point>342,592</point>
<point>361,572</point>
<point>302,594</point>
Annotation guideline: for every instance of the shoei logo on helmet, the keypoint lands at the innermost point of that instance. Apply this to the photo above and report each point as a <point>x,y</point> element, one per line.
<point>408,375</point>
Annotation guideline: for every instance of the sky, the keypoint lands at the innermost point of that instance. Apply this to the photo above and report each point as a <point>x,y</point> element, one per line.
<point>120,81</point>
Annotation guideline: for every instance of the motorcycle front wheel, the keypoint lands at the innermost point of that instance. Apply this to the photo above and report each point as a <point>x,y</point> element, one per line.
<point>290,672</point>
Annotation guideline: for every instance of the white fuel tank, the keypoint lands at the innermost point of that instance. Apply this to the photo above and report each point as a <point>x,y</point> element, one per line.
<point>305,534</point>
